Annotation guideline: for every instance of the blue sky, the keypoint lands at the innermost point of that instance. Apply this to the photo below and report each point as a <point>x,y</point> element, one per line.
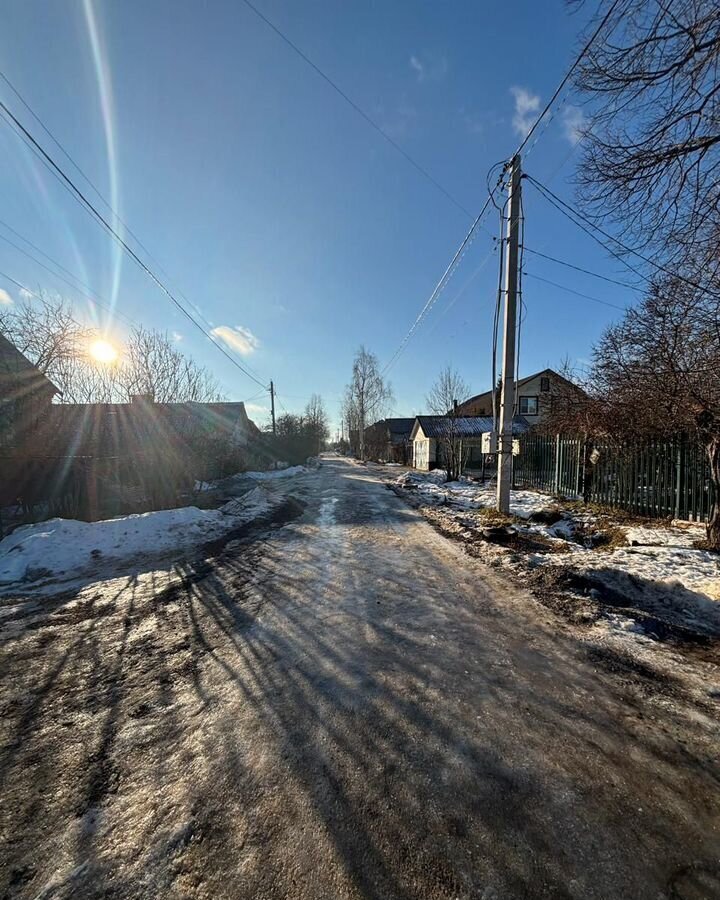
<point>270,203</point>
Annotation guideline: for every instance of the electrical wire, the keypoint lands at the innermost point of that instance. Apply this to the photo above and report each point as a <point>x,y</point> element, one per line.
<point>20,285</point>
<point>567,75</point>
<point>83,200</point>
<point>570,212</point>
<point>440,286</point>
<point>92,297</point>
<point>95,190</point>
<point>562,287</point>
<point>569,265</point>
<point>496,316</point>
<point>521,303</point>
<point>358,109</point>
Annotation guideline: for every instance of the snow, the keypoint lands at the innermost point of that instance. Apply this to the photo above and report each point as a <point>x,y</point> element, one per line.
<point>660,558</point>
<point>694,570</point>
<point>67,546</point>
<point>472,494</point>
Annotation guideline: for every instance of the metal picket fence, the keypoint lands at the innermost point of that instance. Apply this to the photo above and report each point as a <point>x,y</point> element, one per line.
<point>657,478</point>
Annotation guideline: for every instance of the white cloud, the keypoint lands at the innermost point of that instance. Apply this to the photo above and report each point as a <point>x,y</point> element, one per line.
<point>240,339</point>
<point>573,122</point>
<point>5,298</point>
<point>429,68</point>
<point>176,336</point>
<point>254,409</point>
<point>26,294</point>
<point>527,106</point>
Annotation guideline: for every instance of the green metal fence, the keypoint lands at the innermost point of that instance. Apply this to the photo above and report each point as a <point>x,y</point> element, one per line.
<point>656,478</point>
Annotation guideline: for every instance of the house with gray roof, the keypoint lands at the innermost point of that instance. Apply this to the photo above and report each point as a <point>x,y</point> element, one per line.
<point>430,433</point>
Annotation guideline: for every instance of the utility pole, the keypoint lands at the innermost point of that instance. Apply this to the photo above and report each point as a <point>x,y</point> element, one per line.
<point>272,405</point>
<point>507,393</point>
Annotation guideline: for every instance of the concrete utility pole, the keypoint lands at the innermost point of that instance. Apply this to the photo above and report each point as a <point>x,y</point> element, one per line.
<point>272,404</point>
<point>507,393</point>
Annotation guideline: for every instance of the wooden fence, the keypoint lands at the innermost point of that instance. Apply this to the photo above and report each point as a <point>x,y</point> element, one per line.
<point>658,478</point>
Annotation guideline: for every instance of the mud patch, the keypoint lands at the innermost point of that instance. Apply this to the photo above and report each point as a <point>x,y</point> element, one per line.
<point>290,509</point>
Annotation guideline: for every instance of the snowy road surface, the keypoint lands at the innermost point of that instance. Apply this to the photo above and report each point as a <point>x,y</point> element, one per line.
<point>346,706</point>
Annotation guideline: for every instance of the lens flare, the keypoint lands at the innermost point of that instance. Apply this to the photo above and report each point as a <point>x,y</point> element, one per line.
<point>103,351</point>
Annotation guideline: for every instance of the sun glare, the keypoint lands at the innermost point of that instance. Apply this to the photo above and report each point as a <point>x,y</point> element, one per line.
<point>103,351</point>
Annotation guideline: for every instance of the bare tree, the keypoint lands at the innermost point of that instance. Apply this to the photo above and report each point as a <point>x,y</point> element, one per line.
<point>657,372</point>
<point>652,143</point>
<point>152,365</point>
<point>47,332</point>
<point>316,422</point>
<point>367,395</point>
<point>442,401</point>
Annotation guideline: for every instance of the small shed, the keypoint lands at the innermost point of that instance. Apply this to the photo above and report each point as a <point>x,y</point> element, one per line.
<point>430,433</point>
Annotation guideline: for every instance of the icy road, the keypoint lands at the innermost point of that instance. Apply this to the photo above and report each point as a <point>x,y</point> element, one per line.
<point>344,706</point>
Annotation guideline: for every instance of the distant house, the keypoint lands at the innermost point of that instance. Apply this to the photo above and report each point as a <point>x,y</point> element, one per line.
<point>25,398</point>
<point>389,440</point>
<point>535,397</point>
<point>430,432</point>
<point>143,426</point>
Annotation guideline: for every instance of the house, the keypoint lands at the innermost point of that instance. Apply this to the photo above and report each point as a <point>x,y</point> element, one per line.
<point>429,433</point>
<point>535,396</point>
<point>25,398</point>
<point>143,426</point>
<point>389,440</point>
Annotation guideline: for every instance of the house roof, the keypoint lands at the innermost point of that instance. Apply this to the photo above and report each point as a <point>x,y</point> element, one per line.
<point>16,367</point>
<point>520,383</point>
<point>400,428</point>
<point>462,426</point>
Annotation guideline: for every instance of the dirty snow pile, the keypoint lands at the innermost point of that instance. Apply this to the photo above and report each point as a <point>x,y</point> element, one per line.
<point>659,560</point>
<point>68,546</point>
<point>274,473</point>
<point>469,494</point>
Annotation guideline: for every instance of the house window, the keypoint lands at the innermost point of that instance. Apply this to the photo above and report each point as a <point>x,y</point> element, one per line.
<point>528,406</point>
<point>544,384</point>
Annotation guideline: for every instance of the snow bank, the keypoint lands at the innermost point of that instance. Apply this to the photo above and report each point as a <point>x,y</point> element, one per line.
<point>67,546</point>
<point>660,561</point>
<point>694,570</point>
<point>471,494</point>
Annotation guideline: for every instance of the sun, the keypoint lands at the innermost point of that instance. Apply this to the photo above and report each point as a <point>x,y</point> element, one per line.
<point>103,351</point>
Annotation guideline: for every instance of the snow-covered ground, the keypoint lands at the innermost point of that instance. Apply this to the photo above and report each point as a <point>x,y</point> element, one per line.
<point>658,561</point>
<point>471,494</point>
<point>66,547</point>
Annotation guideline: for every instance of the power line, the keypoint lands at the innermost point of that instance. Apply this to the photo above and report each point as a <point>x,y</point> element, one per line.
<point>95,189</point>
<point>358,109</point>
<point>569,265</point>
<point>20,285</point>
<point>439,287</point>
<point>103,221</point>
<point>449,271</point>
<point>567,75</point>
<point>569,211</point>
<point>573,291</point>
<point>92,297</point>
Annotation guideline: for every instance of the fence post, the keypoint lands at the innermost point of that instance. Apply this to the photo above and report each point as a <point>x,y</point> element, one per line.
<point>678,476</point>
<point>556,482</point>
<point>578,451</point>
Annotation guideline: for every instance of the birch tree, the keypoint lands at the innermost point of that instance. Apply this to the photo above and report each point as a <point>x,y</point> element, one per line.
<point>367,395</point>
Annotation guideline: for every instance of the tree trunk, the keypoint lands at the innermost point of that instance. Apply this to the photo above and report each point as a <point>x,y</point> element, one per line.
<point>713,525</point>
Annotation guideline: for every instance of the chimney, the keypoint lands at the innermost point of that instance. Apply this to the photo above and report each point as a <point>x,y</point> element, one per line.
<point>142,398</point>
<point>455,408</point>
